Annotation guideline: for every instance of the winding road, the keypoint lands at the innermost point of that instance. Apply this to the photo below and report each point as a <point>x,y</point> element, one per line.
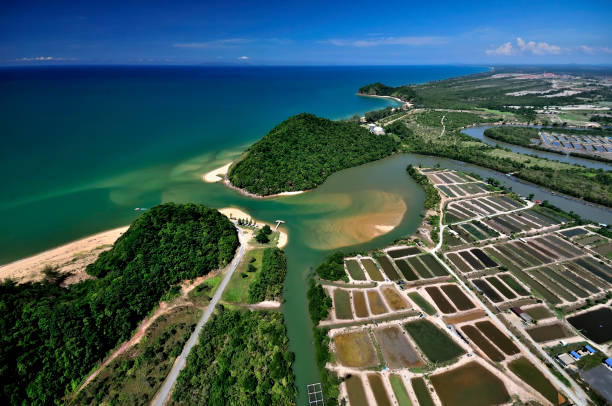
<point>166,389</point>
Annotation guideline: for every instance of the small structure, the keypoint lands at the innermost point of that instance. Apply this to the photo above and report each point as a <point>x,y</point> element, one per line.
<point>575,355</point>
<point>377,130</point>
<point>565,359</point>
<point>521,313</point>
<point>608,363</point>
<point>590,349</point>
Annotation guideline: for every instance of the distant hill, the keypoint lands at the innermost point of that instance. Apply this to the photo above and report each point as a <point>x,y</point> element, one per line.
<point>405,93</point>
<point>302,151</point>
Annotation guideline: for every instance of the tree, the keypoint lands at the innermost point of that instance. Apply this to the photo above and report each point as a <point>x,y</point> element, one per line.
<point>262,237</point>
<point>266,229</point>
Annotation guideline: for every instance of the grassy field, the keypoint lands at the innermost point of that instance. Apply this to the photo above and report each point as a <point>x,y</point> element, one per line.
<point>134,377</point>
<point>435,344</point>
<point>237,290</point>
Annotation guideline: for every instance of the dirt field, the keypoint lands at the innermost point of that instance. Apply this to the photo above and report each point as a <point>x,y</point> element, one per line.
<point>397,350</point>
<point>355,349</point>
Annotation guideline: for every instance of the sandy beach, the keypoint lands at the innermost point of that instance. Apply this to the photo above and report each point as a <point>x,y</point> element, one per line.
<point>68,258</point>
<point>234,213</point>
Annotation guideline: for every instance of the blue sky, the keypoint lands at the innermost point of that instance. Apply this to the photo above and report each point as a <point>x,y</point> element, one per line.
<point>305,32</point>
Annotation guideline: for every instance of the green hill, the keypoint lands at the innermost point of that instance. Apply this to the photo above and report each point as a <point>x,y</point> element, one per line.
<point>302,151</point>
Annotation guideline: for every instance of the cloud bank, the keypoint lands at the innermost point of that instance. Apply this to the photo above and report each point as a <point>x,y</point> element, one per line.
<point>523,47</point>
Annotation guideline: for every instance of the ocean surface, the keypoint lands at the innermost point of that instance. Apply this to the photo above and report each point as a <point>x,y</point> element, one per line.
<point>83,147</point>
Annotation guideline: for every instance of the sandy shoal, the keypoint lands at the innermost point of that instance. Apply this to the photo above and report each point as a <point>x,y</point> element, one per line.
<point>385,212</point>
<point>72,257</point>
<point>216,175</point>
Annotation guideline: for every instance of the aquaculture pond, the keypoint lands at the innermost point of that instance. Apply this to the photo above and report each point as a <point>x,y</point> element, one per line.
<point>595,325</point>
<point>356,392</point>
<point>470,384</point>
<point>532,376</point>
<point>435,343</point>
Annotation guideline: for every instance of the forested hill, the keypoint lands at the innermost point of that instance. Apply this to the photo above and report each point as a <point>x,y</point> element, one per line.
<point>51,337</point>
<point>302,151</point>
<point>405,93</point>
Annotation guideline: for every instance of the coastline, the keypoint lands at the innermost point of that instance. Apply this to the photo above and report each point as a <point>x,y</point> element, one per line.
<point>234,213</point>
<point>397,99</point>
<point>72,257</point>
<point>220,175</point>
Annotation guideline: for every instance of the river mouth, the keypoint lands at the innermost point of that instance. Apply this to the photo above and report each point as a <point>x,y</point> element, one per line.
<point>371,214</point>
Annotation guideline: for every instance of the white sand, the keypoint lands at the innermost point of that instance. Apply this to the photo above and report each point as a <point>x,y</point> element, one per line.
<point>234,213</point>
<point>72,257</point>
<point>217,175</point>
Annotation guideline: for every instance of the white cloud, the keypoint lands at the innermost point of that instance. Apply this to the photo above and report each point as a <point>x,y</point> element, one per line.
<point>525,48</point>
<point>373,42</point>
<point>537,48</point>
<point>504,49</point>
<point>243,58</point>
<point>43,59</point>
<point>595,50</point>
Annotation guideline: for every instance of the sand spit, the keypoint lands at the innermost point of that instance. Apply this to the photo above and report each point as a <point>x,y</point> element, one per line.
<point>217,175</point>
<point>68,258</point>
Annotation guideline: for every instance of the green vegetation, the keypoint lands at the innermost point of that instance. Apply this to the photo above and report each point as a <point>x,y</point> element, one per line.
<point>432,197</point>
<point>332,269</point>
<point>262,237</point>
<point>379,114</point>
<point>422,303</point>
<point>52,337</point>
<point>435,344</point>
<point>594,185</point>
<point>242,357</point>
<point>268,284</point>
<point>513,135</point>
<point>319,303</point>
<point>133,378</point>
<point>302,151</point>
<point>532,376</point>
<point>237,290</point>
<point>399,390</point>
<point>405,93</point>
<point>452,120</point>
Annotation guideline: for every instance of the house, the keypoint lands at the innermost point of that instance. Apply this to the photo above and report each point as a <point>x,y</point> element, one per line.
<point>575,355</point>
<point>521,313</point>
<point>565,359</point>
<point>608,363</point>
<point>590,349</point>
<point>377,130</point>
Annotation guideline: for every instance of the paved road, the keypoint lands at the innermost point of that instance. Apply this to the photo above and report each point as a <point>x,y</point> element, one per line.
<point>164,392</point>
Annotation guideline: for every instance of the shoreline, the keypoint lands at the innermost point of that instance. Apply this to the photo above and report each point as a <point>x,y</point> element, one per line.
<point>397,99</point>
<point>220,175</point>
<point>72,257</point>
<point>234,213</point>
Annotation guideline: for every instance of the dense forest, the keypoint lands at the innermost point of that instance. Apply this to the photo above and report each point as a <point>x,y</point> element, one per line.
<point>332,269</point>
<point>513,135</point>
<point>242,358</point>
<point>302,151</point>
<point>432,197</point>
<point>51,337</point>
<point>269,282</point>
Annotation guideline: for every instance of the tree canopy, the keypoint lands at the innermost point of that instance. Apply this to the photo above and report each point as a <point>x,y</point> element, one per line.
<point>302,151</point>
<point>51,337</point>
<point>242,358</point>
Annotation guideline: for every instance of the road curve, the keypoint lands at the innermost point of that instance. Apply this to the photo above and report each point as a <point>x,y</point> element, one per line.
<point>166,389</point>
